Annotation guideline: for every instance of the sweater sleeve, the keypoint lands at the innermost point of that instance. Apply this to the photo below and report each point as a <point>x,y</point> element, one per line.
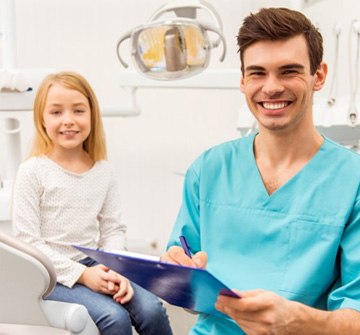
<point>26,223</point>
<point>112,230</point>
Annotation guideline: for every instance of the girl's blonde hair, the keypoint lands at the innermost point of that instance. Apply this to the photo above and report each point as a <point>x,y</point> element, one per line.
<point>95,144</point>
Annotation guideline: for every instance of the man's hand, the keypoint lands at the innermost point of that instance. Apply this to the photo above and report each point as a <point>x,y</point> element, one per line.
<point>177,255</point>
<point>260,312</point>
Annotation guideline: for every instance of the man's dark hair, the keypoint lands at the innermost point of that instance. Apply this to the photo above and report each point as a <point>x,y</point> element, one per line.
<point>274,24</point>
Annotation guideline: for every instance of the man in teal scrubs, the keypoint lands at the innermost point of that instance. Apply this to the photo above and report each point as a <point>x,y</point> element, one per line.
<point>276,215</point>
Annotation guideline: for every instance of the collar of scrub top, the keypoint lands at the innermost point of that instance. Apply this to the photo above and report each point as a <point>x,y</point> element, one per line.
<point>174,48</point>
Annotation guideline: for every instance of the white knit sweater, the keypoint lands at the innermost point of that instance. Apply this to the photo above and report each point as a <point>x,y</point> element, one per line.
<point>54,209</point>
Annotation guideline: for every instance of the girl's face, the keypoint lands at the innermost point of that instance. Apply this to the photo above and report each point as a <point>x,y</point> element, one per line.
<point>67,118</point>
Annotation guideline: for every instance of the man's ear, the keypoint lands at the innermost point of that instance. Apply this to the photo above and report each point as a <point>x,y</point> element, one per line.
<point>320,76</point>
<point>242,84</point>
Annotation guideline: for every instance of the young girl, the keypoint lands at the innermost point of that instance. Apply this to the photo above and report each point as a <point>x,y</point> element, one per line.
<point>66,193</point>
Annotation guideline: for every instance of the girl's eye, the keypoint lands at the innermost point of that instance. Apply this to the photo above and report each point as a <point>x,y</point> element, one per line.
<point>79,111</point>
<point>55,112</point>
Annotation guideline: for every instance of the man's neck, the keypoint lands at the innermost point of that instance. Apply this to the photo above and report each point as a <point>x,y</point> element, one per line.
<point>278,148</point>
<point>279,157</point>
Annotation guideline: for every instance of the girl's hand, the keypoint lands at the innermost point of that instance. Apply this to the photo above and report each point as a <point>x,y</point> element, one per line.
<point>99,279</point>
<point>124,289</point>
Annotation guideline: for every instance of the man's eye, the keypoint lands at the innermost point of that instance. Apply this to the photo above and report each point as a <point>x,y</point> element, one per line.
<point>290,72</point>
<point>256,73</point>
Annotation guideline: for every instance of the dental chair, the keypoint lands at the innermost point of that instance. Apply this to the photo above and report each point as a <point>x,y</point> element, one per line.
<point>26,277</point>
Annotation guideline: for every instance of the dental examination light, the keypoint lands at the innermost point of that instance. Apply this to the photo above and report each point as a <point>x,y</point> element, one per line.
<point>174,48</point>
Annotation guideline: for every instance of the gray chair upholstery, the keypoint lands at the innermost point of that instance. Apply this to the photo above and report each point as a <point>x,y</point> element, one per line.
<point>26,277</point>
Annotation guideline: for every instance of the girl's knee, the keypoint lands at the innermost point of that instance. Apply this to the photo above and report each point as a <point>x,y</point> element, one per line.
<point>154,316</point>
<point>115,320</point>
<point>151,307</point>
<point>157,310</point>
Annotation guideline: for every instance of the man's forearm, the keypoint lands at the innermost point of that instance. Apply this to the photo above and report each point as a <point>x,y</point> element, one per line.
<point>311,321</point>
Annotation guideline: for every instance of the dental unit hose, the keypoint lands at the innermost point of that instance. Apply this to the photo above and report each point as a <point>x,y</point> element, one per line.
<point>354,83</point>
<point>332,95</point>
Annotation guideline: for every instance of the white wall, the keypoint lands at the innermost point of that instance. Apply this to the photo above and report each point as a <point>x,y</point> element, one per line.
<point>151,150</point>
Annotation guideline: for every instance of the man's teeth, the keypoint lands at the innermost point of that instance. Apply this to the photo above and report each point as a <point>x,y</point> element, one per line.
<point>276,105</point>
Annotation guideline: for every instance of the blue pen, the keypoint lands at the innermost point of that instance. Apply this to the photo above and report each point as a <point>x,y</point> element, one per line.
<point>185,246</point>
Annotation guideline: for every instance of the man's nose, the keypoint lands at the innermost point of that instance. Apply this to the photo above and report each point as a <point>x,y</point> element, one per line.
<point>272,85</point>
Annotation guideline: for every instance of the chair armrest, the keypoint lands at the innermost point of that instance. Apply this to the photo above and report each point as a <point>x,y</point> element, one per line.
<point>72,317</point>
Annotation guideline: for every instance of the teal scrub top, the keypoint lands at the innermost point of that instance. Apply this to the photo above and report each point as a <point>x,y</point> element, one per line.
<point>301,242</point>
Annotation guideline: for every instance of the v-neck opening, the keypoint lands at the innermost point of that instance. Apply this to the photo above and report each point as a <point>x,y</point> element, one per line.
<point>290,180</point>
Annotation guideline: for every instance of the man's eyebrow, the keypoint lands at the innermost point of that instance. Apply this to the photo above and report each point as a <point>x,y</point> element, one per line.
<point>292,66</point>
<point>254,68</point>
<point>284,67</point>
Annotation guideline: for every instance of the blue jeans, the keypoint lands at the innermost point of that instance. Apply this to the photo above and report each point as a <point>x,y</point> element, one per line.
<point>144,311</point>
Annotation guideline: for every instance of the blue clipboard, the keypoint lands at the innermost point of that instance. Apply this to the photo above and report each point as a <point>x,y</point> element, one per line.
<point>192,288</point>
